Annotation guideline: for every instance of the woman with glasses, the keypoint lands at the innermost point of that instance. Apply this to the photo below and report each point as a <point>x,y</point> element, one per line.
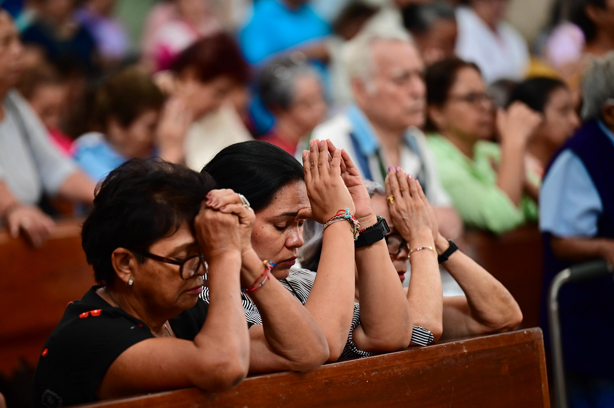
<point>151,238</point>
<point>329,190</point>
<point>487,306</point>
<point>487,182</point>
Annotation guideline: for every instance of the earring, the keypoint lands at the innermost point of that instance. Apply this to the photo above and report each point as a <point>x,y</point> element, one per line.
<point>130,282</point>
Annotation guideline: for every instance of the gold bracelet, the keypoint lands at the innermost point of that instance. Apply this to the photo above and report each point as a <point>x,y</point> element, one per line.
<point>430,248</point>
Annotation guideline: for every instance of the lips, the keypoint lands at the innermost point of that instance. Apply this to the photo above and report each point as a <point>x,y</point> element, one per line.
<point>402,275</point>
<point>288,262</point>
<point>197,289</point>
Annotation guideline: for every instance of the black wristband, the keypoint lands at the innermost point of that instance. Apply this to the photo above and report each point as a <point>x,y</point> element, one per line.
<point>451,249</point>
<point>374,233</point>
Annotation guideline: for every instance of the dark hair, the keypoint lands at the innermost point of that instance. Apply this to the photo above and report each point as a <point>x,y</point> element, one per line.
<point>535,92</point>
<point>419,18</point>
<point>125,96</point>
<point>255,169</point>
<point>579,16</point>
<point>139,203</point>
<point>41,75</point>
<point>440,78</point>
<point>214,56</point>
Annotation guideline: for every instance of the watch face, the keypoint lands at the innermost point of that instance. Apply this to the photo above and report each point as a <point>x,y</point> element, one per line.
<point>384,224</point>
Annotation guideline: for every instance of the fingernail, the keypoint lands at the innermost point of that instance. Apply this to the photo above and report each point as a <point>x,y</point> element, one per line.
<point>304,153</point>
<point>390,168</point>
<point>398,169</point>
<point>215,204</point>
<point>222,207</point>
<point>208,202</point>
<point>208,195</point>
<point>322,143</point>
<point>409,176</point>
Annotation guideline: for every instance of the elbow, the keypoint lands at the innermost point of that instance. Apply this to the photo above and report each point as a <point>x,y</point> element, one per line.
<point>514,318</point>
<point>334,352</point>
<point>223,374</point>
<point>312,357</point>
<point>434,326</point>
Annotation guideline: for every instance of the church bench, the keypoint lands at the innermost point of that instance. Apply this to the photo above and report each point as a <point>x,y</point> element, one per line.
<point>503,370</point>
<point>516,260</point>
<point>35,287</point>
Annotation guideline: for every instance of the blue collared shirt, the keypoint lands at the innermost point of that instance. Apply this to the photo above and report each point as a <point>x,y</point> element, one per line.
<point>570,204</point>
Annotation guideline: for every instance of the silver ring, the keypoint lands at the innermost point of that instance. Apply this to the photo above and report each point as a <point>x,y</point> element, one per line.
<point>244,201</point>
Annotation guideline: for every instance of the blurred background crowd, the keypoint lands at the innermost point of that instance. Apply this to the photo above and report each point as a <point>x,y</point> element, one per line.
<point>476,98</point>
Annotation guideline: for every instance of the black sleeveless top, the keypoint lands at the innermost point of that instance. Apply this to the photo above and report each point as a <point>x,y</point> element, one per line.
<point>88,339</point>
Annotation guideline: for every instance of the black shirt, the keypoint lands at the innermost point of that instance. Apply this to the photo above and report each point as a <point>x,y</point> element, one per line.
<point>88,339</point>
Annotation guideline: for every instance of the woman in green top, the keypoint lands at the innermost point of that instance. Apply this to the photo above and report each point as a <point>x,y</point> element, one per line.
<point>487,182</point>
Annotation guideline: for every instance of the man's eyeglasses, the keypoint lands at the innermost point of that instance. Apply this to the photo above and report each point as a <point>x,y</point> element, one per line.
<point>187,268</point>
<point>395,243</point>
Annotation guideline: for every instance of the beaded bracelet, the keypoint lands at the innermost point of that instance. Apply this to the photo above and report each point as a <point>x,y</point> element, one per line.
<point>345,215</point>
<point>430,248</point>
<point>268,265</point>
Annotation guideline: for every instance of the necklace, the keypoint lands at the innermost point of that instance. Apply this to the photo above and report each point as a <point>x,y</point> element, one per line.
<point>170,334</point>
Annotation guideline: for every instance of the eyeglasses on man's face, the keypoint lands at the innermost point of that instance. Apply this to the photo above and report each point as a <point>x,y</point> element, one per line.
<point>188,267</point>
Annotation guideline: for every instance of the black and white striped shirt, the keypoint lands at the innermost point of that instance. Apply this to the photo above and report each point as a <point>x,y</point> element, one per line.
<point>300,283</point>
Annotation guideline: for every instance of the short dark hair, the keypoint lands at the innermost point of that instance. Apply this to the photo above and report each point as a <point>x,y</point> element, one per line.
<point>255,169</point>
<point>440,78</point>
<point>214,56</point>
<point>139,203</point>
<point>126,95</point>
<point>535,92</point>
<point>419,18</point>
<point>579,16</point>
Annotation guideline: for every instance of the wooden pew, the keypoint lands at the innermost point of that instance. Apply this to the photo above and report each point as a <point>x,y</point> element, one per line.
<point>35,287</point>
<point>504,370</point>
<point>516,260</point>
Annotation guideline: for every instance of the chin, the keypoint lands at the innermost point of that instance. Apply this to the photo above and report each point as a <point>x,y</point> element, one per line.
<point>281,273</point>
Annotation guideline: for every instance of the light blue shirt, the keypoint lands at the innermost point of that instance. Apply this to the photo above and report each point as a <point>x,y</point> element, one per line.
<point>570,204</point>
<point>96,156</point>
<point>274,27</point>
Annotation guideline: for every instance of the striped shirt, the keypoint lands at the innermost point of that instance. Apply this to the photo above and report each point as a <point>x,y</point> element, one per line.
<point>300,283</point>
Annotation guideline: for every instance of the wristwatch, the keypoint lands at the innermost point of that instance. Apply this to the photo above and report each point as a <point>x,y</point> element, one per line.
<point>374,233</point>
<point>451,249</point>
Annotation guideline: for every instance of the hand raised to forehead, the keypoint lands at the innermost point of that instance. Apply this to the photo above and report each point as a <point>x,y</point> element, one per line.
<point>228,202</point>
<point>326,189</point>
<point>217,233</point>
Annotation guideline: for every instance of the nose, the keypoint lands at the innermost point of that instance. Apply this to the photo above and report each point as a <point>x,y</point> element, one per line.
<point>295,240</point>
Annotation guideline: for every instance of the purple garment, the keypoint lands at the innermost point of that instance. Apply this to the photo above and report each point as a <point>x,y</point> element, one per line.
<point>109,35</point>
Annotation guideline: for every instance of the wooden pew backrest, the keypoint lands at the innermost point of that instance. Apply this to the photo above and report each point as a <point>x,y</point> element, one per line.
<point>36,285</point>
<point>504,370</point>
<point>516,260</point>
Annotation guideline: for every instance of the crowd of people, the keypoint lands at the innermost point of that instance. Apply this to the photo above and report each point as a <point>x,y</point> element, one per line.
<point>209,145</point>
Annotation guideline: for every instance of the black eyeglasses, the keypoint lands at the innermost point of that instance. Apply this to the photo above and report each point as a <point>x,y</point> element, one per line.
<point>395,243</point>
<point>187,268</point>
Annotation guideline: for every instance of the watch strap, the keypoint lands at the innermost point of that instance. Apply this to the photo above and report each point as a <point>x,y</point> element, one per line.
<point>373,234</point>
<point>448,252</point>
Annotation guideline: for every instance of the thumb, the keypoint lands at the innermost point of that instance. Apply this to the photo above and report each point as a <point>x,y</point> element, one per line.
<point>14,229</point>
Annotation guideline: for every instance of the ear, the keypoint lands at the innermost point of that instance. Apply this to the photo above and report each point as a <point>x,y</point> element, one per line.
<point>607,114</point>
<point>435,114</point>
<point>593,13</point>
<point>360,91</point>
<point>124,263</point>
<point>114,128</point>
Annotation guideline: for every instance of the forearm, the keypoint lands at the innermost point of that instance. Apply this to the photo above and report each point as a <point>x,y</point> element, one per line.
<point>425,294</point>
<point>172,154</point>
<point>225,326</point>
<point>510,177</point>
<point>490,306</point>
<point>385,323</point>
<point>578,249</point>
<point>78,187</point>
<point>331,301</point>
<point>290,338</point>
